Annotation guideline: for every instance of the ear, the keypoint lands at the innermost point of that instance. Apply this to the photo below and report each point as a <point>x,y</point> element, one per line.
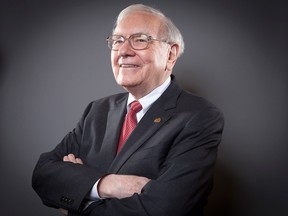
<point>172,56</point>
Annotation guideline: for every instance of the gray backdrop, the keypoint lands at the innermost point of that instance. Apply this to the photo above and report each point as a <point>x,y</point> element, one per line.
<point>54,61</point>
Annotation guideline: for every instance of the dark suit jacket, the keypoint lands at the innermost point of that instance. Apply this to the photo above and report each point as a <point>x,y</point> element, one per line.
<point>174,144</point>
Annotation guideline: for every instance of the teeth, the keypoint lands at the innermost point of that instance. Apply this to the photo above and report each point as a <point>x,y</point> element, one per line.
<point>128,65</point>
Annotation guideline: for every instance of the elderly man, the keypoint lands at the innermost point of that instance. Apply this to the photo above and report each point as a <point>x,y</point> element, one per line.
<point>150,151</point>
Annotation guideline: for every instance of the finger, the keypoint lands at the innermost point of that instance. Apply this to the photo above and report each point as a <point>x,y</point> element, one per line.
<point>65,158</point>
<point>79,161</point>
<point>71,158</point>
<point>63,211</point>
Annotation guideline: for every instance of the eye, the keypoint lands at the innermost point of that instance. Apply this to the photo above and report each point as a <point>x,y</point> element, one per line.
<point>117,41</point>
<point>140,39</point>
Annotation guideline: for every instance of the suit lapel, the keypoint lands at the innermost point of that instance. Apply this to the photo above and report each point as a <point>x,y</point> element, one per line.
<point>159,113</point>
<point>110,141</point>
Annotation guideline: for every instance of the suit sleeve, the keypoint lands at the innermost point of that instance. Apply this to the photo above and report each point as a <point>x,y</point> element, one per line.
<point>186,175</point>
<point>63,184</point>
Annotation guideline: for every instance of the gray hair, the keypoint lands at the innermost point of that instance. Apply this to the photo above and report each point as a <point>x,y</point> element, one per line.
<point>173,35</point>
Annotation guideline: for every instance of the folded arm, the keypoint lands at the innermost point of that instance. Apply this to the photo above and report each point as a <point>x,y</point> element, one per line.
<point>112,185</point>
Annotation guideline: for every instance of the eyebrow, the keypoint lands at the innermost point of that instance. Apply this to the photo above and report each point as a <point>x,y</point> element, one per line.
<point>138,33</point>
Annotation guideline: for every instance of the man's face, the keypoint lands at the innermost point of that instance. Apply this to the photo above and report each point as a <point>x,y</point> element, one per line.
<point>140,71</point>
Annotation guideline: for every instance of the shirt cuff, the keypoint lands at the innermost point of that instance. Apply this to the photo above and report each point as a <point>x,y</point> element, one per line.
<point>94,195</point>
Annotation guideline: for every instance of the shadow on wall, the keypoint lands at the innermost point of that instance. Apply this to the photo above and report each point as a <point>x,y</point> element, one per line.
<point>220,201</point>
<point>187,85</point>
<point>1,66</point>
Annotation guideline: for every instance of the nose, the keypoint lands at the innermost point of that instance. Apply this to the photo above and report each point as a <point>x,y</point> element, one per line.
<point>126,49</point>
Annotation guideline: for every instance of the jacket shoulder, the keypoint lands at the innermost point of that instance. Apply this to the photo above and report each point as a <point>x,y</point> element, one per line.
<point>105,104</point>
<point>108,101</point>
<point>191,101</point>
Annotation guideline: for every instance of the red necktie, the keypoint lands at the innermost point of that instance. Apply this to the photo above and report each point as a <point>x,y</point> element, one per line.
<point>129,123</point>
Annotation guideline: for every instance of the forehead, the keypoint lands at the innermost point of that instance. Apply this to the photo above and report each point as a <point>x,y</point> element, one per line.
<point>139,22</point>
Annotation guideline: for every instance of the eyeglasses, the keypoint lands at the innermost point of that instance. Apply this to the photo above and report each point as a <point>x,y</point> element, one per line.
<point>136,41</point>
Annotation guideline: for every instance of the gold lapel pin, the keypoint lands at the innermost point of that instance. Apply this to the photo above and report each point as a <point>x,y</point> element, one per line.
<point>157,120</point>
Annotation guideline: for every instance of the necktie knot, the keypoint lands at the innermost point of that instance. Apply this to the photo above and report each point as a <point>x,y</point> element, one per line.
<point>135,106</point>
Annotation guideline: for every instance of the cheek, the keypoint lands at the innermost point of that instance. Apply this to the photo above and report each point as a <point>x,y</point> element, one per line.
<point>114,61</point>
<point>159,58</point>
<point>113,57</point>
<point>159,63</point>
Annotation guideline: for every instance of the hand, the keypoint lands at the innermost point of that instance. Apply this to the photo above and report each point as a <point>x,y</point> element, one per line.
<point>71,158</point>
<point>63,211</point>
<point>121,186</point>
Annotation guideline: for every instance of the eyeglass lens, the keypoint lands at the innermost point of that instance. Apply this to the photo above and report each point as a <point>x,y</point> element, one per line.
<point>138,41</point>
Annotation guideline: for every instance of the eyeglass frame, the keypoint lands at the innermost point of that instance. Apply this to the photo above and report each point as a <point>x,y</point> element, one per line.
<point>149,40</point>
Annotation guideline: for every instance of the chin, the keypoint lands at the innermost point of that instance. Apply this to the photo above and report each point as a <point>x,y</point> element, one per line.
<point>127,83</point>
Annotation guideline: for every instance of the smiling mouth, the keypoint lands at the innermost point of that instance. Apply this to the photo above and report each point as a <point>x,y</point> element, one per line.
<point>128,66</point>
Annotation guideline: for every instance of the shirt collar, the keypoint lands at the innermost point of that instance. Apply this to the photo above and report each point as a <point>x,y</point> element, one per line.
<point>150,98</point>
